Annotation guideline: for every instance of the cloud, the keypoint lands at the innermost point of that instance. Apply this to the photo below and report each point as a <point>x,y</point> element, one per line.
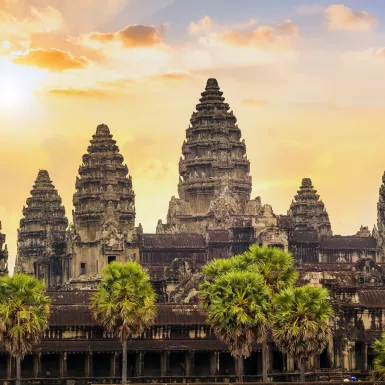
<point>171,76</point>
<point>263,36</point>
<point>132,36</point>
<point>341,17</point>
<point>51,59</point>
<point>48,40</point>
<point>18,21</point>
<point>254,102</point>
<point>203,25</point>
<point>80,93</point>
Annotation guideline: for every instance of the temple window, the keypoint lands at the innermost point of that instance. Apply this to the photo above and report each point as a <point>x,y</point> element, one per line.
<point>111,258</point>
<point>82,268</point>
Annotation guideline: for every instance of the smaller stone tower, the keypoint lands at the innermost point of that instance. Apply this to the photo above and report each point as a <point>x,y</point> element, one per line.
<point>104,216</point>
<point>41,245</point>
<point>3,254</point>
<point>308,212</point>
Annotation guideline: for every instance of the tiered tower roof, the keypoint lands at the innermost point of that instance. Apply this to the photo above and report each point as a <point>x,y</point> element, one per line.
<point>308,212</point>
<point>44,222</point>
<point>381,207</point>
<point>103,180</point>
<point>3,254</point>
<point>213,152</point>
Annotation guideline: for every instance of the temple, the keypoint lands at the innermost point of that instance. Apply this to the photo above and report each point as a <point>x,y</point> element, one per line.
<point>212,217</point>
<point>3,254</point>
<point>41,241</point>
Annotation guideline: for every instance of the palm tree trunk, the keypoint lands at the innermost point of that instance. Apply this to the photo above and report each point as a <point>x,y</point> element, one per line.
<point>302,370</point>
<point>264,359</point>
<point>240,369</point>
<point>18,370</point>
<point>124,363</point>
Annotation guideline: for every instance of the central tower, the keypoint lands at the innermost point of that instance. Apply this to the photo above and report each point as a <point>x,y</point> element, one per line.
<point>214,182</point>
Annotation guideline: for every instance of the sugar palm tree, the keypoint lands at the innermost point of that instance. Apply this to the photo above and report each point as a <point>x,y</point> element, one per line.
<point>378,372</point>
<point>277,269</point>
<point>302,323</point>
<point>24,312</point>
<point>235,305</point>
<point>124,304</point>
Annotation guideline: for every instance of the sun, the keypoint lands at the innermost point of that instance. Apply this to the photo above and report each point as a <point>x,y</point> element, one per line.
<point>17,85</point>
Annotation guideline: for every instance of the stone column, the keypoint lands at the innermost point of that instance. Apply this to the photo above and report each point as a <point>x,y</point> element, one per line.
<point>269,357</point>
<point>289,363</point>
<point>190,364</point>
<point>10,370</point>
<point>164,363</point>
<point>365,356</point>
<point>214,363</point>
<point>114,365</point>
<point>330,352</point>
<point>139,364</point>
<point>88,365</point>
<point>63,365</point>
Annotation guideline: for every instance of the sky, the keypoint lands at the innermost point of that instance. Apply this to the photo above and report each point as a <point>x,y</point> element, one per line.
<point>305,80</point>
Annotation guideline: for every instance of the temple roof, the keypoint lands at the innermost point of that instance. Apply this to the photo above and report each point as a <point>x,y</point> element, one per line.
<point>218,236</point>
<point>348,243</point>
<point>103,178</point>
<point>307,236</point>
<point>372,298</point>
<point>179,240</point>
<point>308,211</point>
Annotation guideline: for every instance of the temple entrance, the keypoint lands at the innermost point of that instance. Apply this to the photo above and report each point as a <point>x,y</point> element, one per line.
<point>76,365</point>
<point>111,258</point>
<point>226,364</point>
<point>101,364</point>
<point>202,363</point>
<point>151,364</point>
<point>4,359</point>
<point>177,363</point>
<point>324,362</point>
<point>277,364</point>
<point>27,366</point>
<point>50,365</point>
<point>359,351</point>
<point>131,364</point>
<point>253,364</point>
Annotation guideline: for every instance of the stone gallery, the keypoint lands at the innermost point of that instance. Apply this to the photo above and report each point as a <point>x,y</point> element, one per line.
<point>213,216</point>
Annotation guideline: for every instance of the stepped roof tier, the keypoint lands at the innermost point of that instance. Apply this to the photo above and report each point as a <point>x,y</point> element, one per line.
<point>3,254</point>
<point>43,227</point>
<point>103,187</point>
<point>214,178</point>
<point>308,211</point>
<point>381,208</point>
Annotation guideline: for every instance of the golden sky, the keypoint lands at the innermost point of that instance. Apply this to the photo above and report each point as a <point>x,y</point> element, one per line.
<point>305,80</point>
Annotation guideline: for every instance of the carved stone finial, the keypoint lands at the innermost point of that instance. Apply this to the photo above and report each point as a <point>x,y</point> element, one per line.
<point>212,84</point>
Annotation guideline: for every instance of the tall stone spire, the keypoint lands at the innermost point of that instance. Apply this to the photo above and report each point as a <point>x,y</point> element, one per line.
<point>42,233</point>
<point>381,208</point>
<point>214,171</point>
<point>104,215</point>
<point>3,254</point>
<point>308,212</point>
<point>103,182</point>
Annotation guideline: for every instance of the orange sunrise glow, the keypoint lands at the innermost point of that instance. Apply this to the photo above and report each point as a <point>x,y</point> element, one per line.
<point>305,81</point>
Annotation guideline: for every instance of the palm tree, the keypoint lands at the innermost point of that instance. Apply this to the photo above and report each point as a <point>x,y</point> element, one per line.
<point>277,269</point>
<point>235,305</point>
<point>378,372</point>
<point>124,304</point>
<point>302,323</point>
<point>24,312</point>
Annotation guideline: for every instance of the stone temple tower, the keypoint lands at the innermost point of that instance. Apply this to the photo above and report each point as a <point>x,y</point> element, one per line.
<point>104,215</point>
<point>3,254</point>
<point>41,245</point>
<point>214,184</point>
<point>308,212</point>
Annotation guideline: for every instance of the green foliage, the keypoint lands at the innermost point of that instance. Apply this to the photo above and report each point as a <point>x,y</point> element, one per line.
<point>275,265</point>
<point>378,372</point>
<point>236,305</point>
<point>301,322</point>
<point>24,312</point>
<point>125,302</point>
